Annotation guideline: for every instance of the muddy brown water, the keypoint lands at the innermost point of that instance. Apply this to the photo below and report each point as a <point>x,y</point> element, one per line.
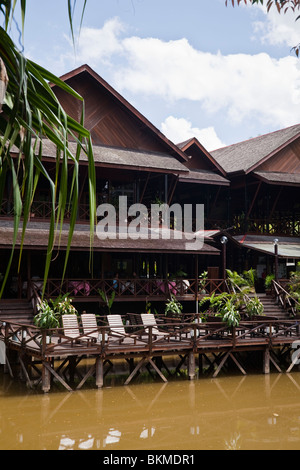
<point>229,412</point>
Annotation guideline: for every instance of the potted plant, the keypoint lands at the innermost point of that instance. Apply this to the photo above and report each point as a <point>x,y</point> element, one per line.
<point>46,318</point>
<point>173,308</point>
<point>62,305</point>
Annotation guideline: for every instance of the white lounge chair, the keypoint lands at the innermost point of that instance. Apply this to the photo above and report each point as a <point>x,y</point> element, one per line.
<point>148,319</point>
<point>70,326</point>
<point>89,325</point>
<point>118,331</point>
<point>72,331</point>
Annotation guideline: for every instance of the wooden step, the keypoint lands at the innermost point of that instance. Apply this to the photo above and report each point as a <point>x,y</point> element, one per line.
<point>16,311</point>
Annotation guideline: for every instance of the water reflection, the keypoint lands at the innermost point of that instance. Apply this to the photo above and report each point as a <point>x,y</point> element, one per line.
<point>248,412</point>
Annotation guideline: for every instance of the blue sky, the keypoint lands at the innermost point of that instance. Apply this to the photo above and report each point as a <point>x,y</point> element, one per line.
<point>193,67</point>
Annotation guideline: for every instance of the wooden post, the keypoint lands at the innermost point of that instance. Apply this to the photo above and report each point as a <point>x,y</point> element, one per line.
<point>191,366</point>
<point>46,378</point>
<point>99,372</point>
<point>266,361</point>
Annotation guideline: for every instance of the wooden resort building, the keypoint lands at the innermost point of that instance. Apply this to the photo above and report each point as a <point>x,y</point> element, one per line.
<point>250,194</point>
<point>132,159</point>
<point>264,175</point>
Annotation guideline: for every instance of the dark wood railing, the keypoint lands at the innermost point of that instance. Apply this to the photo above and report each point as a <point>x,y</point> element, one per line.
<point>193,334</point>
<point>285,299</point>
<point>131,289</point>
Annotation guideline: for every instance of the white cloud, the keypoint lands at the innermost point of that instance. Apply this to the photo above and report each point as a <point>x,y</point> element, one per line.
<point>180,129</point>
<point>99,45</point>
<point>278,29</point>
<point>239,87</point>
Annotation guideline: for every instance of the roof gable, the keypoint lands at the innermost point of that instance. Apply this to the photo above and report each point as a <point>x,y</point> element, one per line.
<point>199,158</point>
<point>247,156</point>
<point>111,119</point>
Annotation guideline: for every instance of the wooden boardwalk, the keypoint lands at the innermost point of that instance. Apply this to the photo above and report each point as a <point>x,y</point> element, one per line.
<point>42,362</point>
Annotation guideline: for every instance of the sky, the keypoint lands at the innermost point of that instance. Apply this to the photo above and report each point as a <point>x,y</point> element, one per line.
<point>193,68</point>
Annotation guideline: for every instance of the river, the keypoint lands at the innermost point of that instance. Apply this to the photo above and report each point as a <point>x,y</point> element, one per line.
<point>227,413</point>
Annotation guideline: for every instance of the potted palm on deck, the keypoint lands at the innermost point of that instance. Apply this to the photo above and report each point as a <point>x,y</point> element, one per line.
<point>173,308</point>
<point>46,319</point>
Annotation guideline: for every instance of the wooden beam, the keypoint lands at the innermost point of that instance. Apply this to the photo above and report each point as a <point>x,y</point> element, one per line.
<point>254,199</point>
<point>144,188</point>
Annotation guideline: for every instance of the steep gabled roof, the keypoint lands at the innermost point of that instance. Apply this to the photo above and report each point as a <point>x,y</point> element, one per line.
<point>202,153</point>
<point>203,168</point>
<point>96,121</point>
<point>246,156</point>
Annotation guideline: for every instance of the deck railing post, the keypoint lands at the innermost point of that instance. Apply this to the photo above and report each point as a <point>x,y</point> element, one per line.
<point>150,339</point>
<point>234,336</point>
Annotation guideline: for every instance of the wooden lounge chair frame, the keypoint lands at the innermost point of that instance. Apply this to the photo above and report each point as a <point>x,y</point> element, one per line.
<point>90,327</point>
<point>117,330</point>
<point>148,320</point>
<point>72,331</point>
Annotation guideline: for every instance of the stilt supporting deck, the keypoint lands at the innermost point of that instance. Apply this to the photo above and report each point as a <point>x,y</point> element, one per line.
<point>46,377</point>
<point>145,360</point>
<point>266,361</point>
<point>226,356</point>
<point>192,366</point>
<point>99,372</point>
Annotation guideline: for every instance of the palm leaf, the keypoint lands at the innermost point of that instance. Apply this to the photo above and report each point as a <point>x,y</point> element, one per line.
<point>31,113</point>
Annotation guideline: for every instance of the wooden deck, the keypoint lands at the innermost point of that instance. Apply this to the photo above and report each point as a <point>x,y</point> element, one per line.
<point>41,361</point>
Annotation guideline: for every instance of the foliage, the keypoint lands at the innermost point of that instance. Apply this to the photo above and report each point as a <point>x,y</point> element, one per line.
<point>250,277</point>
<point>30,114</point>
<point>237,279</point>
<point>49,316</point>
<point>294,284</point>
<point>230,314</point>
<point>254,307</point>
<point>244,282</point>
<point>63,306</point>
<point>202,281</point>
<point>224,305</point>
<point>268,280</point>
<point>173,307</point>
<point>46,318</point>
<point>107,300</point>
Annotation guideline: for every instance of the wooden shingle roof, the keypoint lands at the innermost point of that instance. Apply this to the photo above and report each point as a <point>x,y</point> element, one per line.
<point>111,157</point>
<point>245,156</point>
